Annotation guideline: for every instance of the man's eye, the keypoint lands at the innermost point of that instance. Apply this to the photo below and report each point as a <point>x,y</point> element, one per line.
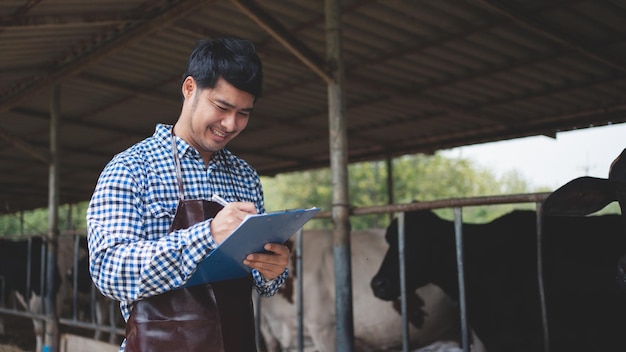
<point>220,108</point>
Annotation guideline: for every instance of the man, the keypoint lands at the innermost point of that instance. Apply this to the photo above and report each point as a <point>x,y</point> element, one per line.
<point>135,254</point>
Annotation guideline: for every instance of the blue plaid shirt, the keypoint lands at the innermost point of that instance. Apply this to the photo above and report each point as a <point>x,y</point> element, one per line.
<point>132,255</point>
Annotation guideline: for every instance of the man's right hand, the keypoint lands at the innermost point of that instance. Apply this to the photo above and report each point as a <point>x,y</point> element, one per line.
<point>227,219</point>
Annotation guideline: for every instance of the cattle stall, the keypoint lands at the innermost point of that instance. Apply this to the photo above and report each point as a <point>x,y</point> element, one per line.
<point>23,281</point>
<point>457,205</point>
<point>527,280</point>
<point>81,309</point>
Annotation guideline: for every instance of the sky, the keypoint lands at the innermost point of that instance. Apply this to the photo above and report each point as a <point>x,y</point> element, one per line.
<point>551,162</point>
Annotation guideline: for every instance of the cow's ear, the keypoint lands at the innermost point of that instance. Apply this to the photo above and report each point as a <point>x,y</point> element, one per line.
<point>579,197</point>
<point>617,171</point>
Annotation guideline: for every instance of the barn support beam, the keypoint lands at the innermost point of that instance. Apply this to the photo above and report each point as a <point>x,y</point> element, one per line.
<point>51,337</point>
<point>339,169</point>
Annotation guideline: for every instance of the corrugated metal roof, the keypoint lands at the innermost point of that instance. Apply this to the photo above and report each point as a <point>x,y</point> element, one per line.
<point>420,76</point>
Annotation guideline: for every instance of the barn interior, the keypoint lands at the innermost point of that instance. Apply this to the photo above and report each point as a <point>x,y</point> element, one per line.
<point>91,78</point>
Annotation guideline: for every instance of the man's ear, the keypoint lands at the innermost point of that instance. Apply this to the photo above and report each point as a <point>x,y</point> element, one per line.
<point>189,85</point>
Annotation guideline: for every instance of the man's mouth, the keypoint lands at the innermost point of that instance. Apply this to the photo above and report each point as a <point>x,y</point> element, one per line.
<point>218,133</point>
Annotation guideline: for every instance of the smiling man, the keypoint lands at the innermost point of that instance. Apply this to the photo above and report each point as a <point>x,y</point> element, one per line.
<point>138,253</point>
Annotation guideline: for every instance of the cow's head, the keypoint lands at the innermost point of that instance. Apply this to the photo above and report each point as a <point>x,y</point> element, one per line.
<point>423,254</point>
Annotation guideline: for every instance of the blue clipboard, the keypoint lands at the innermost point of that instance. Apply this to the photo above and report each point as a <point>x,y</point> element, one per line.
<point>225,262</point>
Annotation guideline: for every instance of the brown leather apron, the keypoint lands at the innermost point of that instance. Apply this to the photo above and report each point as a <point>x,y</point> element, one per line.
<point>216,317</point>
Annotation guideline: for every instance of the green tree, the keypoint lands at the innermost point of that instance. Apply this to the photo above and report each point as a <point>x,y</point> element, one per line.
<point>416,178</point>
<point>35,222</point>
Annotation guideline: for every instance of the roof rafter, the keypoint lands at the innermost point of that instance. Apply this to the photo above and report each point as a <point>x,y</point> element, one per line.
<point>541,29</point>
<point>170,14</point>
<point>276,30</point>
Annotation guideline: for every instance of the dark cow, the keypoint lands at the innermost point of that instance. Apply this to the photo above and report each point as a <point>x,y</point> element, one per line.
<point>377,324</point>
<point>586,310</point>
<point>14,276</point>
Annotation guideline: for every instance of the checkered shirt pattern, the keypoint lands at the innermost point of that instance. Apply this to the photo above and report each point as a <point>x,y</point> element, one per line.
<point>132,255</point>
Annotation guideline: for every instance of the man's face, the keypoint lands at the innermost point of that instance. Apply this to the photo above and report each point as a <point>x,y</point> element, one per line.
<point>212,117</point>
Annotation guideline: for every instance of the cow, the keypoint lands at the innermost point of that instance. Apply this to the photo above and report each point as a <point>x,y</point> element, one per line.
<point>377,324</point>
<point>585,309</point>
<point>24,285</point>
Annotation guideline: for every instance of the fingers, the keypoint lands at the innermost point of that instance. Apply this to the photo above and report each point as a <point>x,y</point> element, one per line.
<point>270,264</point>
<point>227,219</point>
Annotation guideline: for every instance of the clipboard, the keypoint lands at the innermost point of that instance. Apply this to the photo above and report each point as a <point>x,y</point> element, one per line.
<point>225,262</point>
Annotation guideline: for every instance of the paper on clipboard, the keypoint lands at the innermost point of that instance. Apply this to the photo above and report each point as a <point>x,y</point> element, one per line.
<point>226,261</point>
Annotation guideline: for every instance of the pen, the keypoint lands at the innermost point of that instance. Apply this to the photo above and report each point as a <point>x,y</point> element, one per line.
<point>219,200</point>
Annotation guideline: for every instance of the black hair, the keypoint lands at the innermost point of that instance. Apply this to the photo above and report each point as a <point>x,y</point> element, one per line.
<point>233,59</point>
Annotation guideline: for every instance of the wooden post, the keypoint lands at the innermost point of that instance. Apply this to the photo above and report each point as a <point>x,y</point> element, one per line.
<point>51,338</point>
<point>339,169</point>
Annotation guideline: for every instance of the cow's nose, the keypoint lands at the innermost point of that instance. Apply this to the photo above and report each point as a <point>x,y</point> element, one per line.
<point>380,287</point>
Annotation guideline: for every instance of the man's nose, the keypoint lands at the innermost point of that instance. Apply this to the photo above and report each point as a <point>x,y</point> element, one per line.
<point>229,122</point>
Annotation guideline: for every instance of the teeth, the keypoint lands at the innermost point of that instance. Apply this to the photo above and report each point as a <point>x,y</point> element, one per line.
<point>216,132</point>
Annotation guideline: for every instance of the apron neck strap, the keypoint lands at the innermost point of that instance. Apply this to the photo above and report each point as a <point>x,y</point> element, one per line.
<point>179,177</point>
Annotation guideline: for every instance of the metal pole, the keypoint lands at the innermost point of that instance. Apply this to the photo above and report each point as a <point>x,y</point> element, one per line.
<point>339,168</point>
<point>51,339</point>
<point>256,301</point>
<point>29,264</point>
<point>43,275</point>
<point>29,269</point>
<point>458,231</point>
<point>542,293</point>
<point>75,277</point>
<point>403,299</point>
<point>390,197</point>
<point>299,293</point>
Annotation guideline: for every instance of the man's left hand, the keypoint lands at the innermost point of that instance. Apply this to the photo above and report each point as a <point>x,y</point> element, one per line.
<point>272,263</point>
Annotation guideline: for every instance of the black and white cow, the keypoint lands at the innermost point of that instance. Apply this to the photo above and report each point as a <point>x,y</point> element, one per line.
<point>15,277</point>
<point>377,324</point>
<point>586,310</point>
